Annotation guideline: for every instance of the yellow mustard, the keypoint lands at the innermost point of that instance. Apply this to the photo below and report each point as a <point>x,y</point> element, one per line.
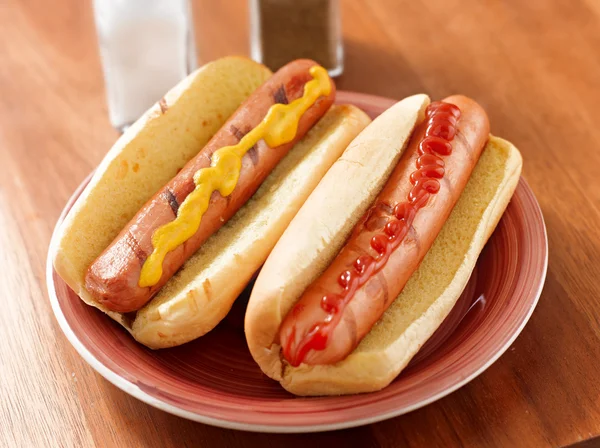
<point>277,128</point>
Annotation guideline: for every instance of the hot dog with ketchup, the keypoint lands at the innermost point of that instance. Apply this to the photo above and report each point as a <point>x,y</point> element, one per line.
<point>387,245</point>
<point>222,182</point>
<point>312,343</point>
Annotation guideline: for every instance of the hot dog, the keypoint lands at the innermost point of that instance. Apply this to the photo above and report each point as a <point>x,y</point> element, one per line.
<point>442,180</point>
<point>221,212</point>
<point>114,278</point>
<point>312,341</point>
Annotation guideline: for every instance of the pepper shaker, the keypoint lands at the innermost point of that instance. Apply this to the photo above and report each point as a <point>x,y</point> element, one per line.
<point>283,30</point>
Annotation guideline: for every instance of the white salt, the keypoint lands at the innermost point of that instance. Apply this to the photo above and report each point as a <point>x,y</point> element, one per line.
<point>146,47</point>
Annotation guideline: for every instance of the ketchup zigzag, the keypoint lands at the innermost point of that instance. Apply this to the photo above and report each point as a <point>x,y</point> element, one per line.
<point>441,129</point>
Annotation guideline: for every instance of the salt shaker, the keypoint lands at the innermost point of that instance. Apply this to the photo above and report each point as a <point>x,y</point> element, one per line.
<point>282,30</point>
<point>146,47</point>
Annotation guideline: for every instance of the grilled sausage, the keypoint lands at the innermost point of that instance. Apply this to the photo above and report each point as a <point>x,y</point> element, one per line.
<point>386,246</point>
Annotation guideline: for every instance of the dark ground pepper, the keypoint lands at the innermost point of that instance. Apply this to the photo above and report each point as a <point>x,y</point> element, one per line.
<point>292,29</point>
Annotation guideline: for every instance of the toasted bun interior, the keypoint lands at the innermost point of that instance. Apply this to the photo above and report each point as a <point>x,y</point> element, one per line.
<point>146,157</point>
<point>431,291</point>
<point>323,224</point>
<point>203,291</point>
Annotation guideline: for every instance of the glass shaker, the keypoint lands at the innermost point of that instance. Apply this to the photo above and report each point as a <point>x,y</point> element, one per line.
<point>146,47</point>
<point>283,30</point>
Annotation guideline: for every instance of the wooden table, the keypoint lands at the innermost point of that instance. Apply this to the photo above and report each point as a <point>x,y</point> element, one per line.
<point>534,65</point>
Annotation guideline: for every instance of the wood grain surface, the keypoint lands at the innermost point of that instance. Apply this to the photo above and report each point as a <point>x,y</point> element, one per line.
<point>534,65</point>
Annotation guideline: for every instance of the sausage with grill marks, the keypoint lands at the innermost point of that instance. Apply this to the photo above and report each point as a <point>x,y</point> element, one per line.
<point>305,333</point>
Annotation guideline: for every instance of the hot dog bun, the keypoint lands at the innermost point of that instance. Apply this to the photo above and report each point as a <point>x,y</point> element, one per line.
<point>149,154</point>
<point>425,301</point>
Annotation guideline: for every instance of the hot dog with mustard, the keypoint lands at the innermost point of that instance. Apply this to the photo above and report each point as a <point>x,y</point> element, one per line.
<point>132,277</point>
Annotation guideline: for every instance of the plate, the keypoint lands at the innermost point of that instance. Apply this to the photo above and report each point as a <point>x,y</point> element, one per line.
<point>214,380</point>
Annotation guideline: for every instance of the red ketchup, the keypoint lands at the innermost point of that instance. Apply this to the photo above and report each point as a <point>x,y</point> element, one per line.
<point>441,128</point>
